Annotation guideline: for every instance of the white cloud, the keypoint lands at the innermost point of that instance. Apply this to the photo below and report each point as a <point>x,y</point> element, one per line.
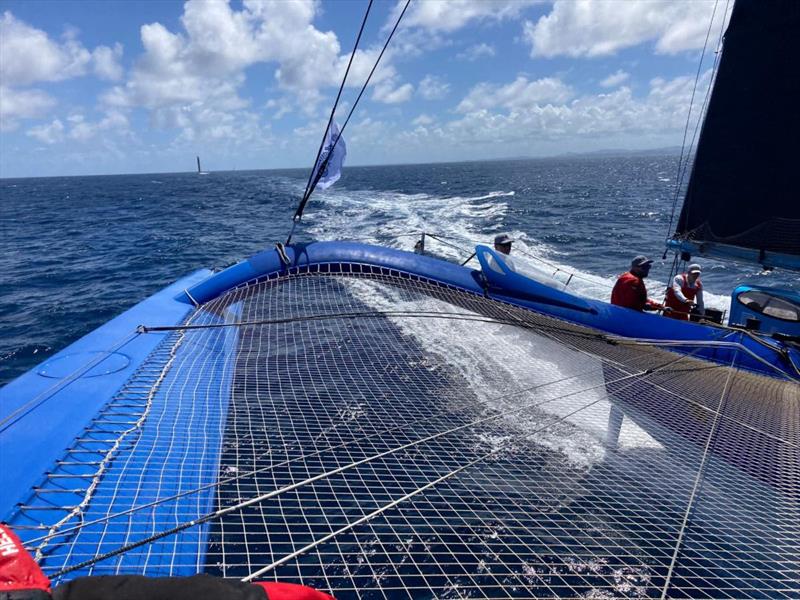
<point>22,104</point>
<point>106,62</point>
<point>388,94</point>
<point>518,94</point>
<point>192,79</point>
<point>476,51</point>
<point>30,56</point>
<point>48,134</point>
<point>436,15</point>
<point>433,88</point>
<point>114,122</point>
<point>78,129</point>
<point>423,120</point>
<point>503,120</point>
<point>615,79</point>
<point>602,27</point>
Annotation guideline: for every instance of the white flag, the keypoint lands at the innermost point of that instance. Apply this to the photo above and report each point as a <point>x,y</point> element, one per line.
<point>333,169</point>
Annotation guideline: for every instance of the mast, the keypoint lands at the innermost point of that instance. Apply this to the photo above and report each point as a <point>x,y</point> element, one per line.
<point>742,200</point>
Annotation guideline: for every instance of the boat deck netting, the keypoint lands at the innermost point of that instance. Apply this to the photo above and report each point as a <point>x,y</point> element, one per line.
<point>377,435</point>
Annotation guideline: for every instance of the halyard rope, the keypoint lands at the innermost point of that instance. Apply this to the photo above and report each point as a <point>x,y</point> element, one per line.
<point>681,166</point>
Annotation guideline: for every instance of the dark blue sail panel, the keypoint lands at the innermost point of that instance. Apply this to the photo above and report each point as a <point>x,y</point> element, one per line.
<point>743,187</point>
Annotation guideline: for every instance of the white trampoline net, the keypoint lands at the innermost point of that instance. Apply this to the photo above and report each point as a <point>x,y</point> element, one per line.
<point>379,436</point>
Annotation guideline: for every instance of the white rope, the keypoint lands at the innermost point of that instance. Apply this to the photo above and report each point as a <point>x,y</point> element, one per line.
<point>77,511</point>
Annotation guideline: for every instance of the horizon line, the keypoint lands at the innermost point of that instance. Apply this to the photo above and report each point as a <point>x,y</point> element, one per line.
<point>667,150</point>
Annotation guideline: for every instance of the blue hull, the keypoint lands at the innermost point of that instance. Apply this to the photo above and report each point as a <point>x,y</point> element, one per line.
<point>762,354</point>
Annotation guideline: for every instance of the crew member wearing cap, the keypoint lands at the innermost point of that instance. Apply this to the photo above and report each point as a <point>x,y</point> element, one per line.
<point>685,292</point>
<point>630,291</point>
<point>502,244</point>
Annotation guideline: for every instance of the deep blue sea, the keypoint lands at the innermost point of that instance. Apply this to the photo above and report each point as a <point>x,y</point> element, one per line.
<point>76,251</point>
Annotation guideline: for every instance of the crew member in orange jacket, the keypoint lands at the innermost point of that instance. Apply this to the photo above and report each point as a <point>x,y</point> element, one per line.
<point>685,292</point>
<point>630,291</point>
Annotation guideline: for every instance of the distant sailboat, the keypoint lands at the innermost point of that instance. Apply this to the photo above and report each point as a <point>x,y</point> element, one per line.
<point>199,170</point>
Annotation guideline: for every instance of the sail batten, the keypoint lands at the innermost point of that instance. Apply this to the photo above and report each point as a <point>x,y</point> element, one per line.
<point>743,187</point>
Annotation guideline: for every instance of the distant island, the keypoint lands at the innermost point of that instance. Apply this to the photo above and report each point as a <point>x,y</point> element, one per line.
<point>624,152</point>
<point>667,150</point>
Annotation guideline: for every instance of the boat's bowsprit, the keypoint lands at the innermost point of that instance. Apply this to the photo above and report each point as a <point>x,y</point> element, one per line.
<point>377,434</point>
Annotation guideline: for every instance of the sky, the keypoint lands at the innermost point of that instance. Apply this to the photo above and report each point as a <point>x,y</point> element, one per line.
<point>142,86</point>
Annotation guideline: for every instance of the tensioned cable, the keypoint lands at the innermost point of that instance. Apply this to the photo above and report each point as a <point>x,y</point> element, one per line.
<point>471,317</point>
<point>700,121</point>
<point>256,500</point>
<point>688,120</point>
<point>299,212</point>
<point>336,103</point>
<point>380,314</point>
<point>558,269</point>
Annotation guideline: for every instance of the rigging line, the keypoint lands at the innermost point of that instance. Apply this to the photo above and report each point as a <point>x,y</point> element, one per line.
<point>299,213</point>
<point>428,485</point>
<point>518,250</point>
<point>537,327</point>
<point>673,270</point>
<point>383,432</point>
<point>736,346</point>
<point>446,243</point>
<point>382,314</point>
<point>688,119</point>
<point>17,414</point>
<point>324,317</point>
<point>258,499</point>
<point>703,109</point>
<point>758,339</point>
<point>699,478</point>
<point>306,193</point>
<point>572,273</point>
<point>77,511</point>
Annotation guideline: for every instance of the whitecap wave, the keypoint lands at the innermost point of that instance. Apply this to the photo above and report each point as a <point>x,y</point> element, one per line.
<point>397,219</point>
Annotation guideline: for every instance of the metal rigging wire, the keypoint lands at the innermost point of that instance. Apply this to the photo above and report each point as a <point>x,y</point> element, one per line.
<point>681,166</point>
<point>316,173</point>
<point>306,192</point>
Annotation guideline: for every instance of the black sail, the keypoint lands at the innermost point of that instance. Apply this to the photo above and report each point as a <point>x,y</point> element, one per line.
<point>743,190</point>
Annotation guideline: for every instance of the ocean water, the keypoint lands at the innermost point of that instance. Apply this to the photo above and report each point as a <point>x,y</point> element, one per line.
<point>76,251</point>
